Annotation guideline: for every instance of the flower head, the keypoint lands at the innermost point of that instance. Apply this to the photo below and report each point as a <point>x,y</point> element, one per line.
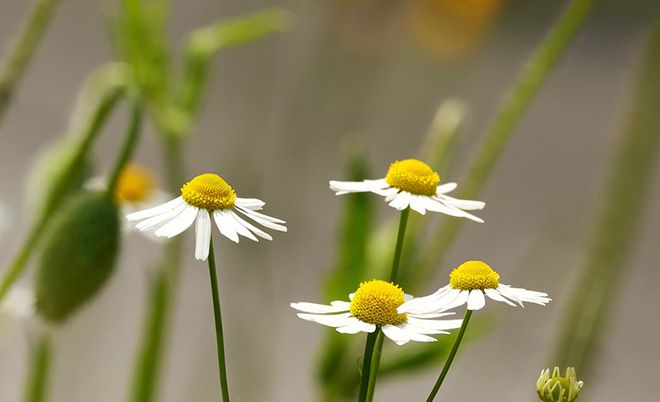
<point>470,283</point>
<point>412,183</point>
<point>556,388</point>
<point>374,305</point>
<point>205,195</point>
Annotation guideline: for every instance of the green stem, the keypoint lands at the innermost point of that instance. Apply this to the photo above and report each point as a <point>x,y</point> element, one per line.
<point>37,381</point>
<point>58,194</point>
<point>450,358</point>
<point>378,343</point>
<point>23,50</point>
<point>366,365</point>
<point>129,146</point>
<point>219,338</point>
<point>163,290</point>
<point>532,77</point>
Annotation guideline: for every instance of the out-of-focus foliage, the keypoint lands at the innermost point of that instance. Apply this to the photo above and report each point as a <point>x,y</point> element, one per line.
<point>79,255</point>
<point>623,206</point>
<point>173,95</point>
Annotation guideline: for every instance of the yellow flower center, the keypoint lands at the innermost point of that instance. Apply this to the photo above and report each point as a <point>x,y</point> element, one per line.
<point>474,275</point>
<point>135,184</point>
<point>208,191</point>
<point>376,301</point>
<point>413,176</point>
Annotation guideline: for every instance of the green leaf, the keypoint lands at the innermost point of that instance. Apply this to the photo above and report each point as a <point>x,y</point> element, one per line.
<point>79,255</point>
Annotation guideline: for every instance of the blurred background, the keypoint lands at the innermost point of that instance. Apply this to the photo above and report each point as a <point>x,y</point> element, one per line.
<point>279,120</point>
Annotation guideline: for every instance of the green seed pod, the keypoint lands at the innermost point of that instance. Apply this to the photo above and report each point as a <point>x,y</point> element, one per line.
<point>79,254</point>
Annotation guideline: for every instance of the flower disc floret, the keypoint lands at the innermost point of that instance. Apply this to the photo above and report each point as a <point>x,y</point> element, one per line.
<point>375,302</point>
<point>413,176</point>
<point>473,275</point>
<point>135,184</point>
<point>209,191</point>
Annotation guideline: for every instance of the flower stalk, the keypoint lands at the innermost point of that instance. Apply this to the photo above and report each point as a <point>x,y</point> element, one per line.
<point>219,339</point>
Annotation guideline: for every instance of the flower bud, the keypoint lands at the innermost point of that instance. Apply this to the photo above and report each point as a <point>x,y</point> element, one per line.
<point>556,388</point>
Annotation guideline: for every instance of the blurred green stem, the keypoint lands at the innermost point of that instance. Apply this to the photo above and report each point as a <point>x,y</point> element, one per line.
<point>37,381</point>
<point>627,189</point>
<point>129,146</point>
<point>17,265</point>
<point>162,292</point>
<point>219,337</point>
<point>532,77</point>
<point>450,358</point>
<point>367,365</point>
<point>378,343</point>
<point>23,50</point>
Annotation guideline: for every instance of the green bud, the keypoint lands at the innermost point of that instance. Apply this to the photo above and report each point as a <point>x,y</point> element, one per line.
<point>79,254</point>
<point>556,388</point>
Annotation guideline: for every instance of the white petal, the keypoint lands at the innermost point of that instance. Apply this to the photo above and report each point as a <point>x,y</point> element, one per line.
<point>399,336</point>
<point>438,205</point>
<point>417,203</point>
<point>401,201</point>
<point>333,320</point>
<point>495,295</point>
<point>226,225</point>
<point>250,203</point>
<point>356,326</point>
<point>147,213</point>
<point>271,223</point>
<point>441,325</point>
<point>158,220</point>
<point>202,235</point>
<point>250,226</point>
<point>178,224</point>
<point>415,335</point>
<point>341,304</point>
<point>320,308</point>
<point>446,188</point>
<point>476,300</point>
<point>462,204</point>
<point>345,187</point>
<point>238,225</point>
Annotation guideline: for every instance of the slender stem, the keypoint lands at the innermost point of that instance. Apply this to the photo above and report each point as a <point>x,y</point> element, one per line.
<point>59,192</point>
<point>366,365</point>
<point>161,295</point>
<point>22,51</point>
<point>128,147</point>
<point>450,358</point>
<point>403,222</point>
<point>377,345</point>
<point>37,381</point>
<point>219,338</point>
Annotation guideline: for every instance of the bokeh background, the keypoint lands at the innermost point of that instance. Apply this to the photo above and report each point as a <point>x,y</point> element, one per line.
<point>277,122</point>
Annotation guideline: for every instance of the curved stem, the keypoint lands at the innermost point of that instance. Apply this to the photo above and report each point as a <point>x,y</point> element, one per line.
<point>366,365</point>
<point>37,381</point>
<point>128,147</point>
<point>219,337</point>
<point>22,52</point>
<point>450,358</point>
<point>403,223</point>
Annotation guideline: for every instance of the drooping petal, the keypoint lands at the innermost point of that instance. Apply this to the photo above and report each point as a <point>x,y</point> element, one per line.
<point>396,334</point>
<point>179,223</point>
<point>332,320</point>
<point>226,225</point>
<point>202,235</point>
<point>476,300</point>
<point>250,203</point>
<point>334,307</point>
<point>251,227</point>
<point>345,187</point>
<point>147,213</point>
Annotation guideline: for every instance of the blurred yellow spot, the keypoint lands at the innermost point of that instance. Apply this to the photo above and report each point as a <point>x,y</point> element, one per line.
<point>413,176</point>
<point>376,301</point>
<point>472,275</point>
<point>209,191</point>
<point>135,184</point>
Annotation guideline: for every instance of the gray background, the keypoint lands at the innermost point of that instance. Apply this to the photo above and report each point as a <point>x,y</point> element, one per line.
<point>275,125</point>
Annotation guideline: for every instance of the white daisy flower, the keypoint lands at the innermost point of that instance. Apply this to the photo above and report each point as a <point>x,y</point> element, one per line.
<point>202,197</point>
<point>471,283</point>
<point>412,183</point>
<point>374,305</point>
<point>136,190</point>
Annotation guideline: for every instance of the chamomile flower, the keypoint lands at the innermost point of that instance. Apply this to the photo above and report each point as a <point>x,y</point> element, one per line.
<point>412,183</point>
<point>471,283</point>
<point>374,305</point>
<point>202,197</point>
